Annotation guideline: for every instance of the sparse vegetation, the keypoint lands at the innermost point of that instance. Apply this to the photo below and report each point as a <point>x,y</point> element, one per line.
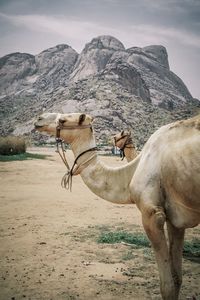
<point>138,240</point>
<point>12,145</point>
<point>22,156</point>
<point>128,255</point>
<point>14,148</point>
<point>192,248</point>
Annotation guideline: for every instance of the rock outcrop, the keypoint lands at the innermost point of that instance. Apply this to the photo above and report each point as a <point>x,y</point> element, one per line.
<point>121,87</point>
<point>95,56</point>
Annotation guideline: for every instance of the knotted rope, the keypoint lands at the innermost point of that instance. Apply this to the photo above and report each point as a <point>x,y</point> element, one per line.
<point>66,181</point>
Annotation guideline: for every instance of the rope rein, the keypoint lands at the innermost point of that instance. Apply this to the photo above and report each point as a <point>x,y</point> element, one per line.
<point>66,181</point>
<point>62,155</point>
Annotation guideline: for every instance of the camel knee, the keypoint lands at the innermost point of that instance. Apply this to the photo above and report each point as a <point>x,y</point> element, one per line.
<point>153,221</point>
<point>155,217</point>
<point>160,218</point>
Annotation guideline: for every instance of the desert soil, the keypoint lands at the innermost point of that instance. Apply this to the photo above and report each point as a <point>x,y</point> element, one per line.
<point>48,238</point>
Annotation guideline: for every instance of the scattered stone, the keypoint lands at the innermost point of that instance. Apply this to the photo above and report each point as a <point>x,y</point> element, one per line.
<point>42,243</point>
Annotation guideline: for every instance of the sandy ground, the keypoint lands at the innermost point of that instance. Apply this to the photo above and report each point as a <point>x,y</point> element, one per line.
<point>48,240</point>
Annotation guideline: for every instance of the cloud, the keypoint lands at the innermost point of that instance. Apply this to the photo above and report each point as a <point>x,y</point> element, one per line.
<point>39,23</point>
<point>160,34</point>
<point>79,32</point>
<point>69,29</point>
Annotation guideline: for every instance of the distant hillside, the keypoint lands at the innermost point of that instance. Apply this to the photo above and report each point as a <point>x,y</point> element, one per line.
<point>122,88</point>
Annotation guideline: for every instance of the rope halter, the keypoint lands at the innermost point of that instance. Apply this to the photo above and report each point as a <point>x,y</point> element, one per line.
<point>66,181</point>
<point>128,143</point>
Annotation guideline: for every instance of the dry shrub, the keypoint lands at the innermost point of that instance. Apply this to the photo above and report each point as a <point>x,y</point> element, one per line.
<point>12,145</point>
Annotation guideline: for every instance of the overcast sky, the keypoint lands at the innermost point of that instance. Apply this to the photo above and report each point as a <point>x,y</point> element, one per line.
<point>32,26</point>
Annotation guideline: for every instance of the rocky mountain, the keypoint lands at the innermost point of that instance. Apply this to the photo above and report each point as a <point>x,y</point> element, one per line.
<point>122,88</point>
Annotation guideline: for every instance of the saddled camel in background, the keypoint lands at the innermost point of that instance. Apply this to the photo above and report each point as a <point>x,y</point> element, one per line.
<point>124,142</point>
<point>163,181</point>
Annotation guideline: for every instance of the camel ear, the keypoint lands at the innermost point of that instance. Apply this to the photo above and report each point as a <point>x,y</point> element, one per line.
<point>122,132</point>
<point>91,119</point>
<point>81,119</point>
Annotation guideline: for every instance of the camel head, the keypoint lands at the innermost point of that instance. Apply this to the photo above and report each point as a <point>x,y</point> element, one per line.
<point>121,137</point>
<point>47,123</point>
<point>69,125</point>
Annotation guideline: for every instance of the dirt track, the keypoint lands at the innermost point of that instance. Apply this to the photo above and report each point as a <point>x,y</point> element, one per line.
<point>48,240</point>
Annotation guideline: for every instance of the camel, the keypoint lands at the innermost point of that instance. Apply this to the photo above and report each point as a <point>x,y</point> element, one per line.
<point>163,181</point>
<point>124,142</point>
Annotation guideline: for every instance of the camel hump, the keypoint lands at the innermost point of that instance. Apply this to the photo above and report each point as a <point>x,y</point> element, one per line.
<point>189,123</point>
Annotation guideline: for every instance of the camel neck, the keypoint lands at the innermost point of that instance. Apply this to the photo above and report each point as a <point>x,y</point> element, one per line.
<point>130,153</point>
<point>111,184</point>
<point>83,144</point>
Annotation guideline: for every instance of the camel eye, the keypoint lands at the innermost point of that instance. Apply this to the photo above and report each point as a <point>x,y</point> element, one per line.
<point>40,119</point>
<point>61,121</point>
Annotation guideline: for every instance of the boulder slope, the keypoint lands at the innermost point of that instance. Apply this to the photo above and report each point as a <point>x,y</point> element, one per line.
<point>122,88</point>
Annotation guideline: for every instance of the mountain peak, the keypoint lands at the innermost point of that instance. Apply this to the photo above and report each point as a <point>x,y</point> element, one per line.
<point>104,42</point>
<point>57,48</point>
<point>95,56</point>
<point>159,53</point>
<point>56,57</point>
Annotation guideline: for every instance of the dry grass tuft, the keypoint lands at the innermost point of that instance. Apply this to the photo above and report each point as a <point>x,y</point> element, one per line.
<point>12,145</point>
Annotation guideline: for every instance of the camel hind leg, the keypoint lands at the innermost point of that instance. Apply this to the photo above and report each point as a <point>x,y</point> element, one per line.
<point>153,218</point>
<point>176,239</point>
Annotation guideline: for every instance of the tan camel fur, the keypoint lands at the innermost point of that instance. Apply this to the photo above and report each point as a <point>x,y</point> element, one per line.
<point>124,142</point>
<point>163,181</point>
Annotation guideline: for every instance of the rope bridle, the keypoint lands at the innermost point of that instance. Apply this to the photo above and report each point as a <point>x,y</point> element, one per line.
<point>66,181</point>
<point>127,143</point>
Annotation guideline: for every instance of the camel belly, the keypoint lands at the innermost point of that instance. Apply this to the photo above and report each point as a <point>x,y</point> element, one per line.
<point>181,216</point>
<point>180,179</point>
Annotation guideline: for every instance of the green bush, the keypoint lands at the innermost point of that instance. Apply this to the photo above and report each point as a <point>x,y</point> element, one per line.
<point>12,145</point>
